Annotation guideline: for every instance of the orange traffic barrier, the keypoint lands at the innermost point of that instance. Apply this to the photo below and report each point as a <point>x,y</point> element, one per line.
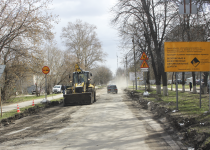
<point>18,109</point>
<point>33,103</point>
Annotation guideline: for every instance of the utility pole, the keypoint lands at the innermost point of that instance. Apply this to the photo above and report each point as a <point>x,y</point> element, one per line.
<point>134,53</point>
<point>208,40</point>
<point>126,71</point>
<point>117,61</point>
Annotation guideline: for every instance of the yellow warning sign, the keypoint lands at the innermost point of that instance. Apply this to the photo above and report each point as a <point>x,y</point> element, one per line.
<point>187,56</point>
<point>144,56</point>
<point>144,65</point>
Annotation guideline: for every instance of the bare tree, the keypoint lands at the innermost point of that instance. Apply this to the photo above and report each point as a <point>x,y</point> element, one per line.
<point>82,41</point>
<point>151,18</point>
<point>24,20</point>
<point>61,64</point>
<point>101,75</point>
<point>20,64</point>
<point>23,28</point>
<point>190,27</point>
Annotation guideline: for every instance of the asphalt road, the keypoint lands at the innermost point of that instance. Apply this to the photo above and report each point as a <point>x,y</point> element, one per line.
<point>112,123</point>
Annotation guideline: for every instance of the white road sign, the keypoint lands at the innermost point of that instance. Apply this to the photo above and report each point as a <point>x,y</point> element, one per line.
<point>138,75</point>
<point>144,69</point>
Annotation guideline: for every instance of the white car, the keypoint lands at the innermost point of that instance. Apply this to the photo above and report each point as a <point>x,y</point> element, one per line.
<point>57,89</point>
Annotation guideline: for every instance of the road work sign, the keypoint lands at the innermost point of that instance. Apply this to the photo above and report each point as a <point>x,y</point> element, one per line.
<point>144,56</point>
<point>187,56</point>
<point>144,65</point>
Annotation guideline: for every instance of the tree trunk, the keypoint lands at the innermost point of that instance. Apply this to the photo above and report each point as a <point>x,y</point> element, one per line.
<point>183,81</point>
<point>164,79</point>
<point>205,82</point>
<point>148,83</point>
<point>158,89</point>
<point>158,84</point>
<point>172,81</point>
<point>194,83</point>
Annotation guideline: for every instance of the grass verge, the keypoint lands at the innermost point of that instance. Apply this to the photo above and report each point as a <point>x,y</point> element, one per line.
<point>188,103</point>
<point>23,99</point>
<point>188,106</point>
<point>13,112</point>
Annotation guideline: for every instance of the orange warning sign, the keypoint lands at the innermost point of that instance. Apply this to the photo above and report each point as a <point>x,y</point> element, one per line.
<point>144,65</point>
<point>144,56</point>
<point>187,56</point>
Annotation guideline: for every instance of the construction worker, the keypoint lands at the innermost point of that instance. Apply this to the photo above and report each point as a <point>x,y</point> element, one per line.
<point>63,89</point>
<point>190,85</point>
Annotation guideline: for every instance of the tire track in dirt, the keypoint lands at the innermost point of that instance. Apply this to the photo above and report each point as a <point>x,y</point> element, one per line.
<point>38,124</point>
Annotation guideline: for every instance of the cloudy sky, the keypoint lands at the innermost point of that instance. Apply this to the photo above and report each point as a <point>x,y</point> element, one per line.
<point>96,12</point>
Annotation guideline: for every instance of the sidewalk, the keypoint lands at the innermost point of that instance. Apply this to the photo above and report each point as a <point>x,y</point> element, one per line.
<point>28,103</point>
<point>174,89</point>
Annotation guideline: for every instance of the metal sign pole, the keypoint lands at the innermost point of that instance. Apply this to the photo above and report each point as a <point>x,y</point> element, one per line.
<point>208,85</point>
<point>46,87</point>
<point>0,102</point>
<point>176,92</point>
<point>145,80</point>
<point>133,85</point>
<point>200,89</point>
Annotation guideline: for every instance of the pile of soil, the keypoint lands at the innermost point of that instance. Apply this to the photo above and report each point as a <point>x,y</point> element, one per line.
<point>29,112</point>
<point>176,122</point>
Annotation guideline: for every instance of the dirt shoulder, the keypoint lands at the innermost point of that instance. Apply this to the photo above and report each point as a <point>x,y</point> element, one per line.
<point>36,121</point>
<point>192,131</point>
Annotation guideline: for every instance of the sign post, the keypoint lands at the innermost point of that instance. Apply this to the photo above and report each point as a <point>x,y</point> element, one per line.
<point>144,66</point>
<point>0,102</point>
<point>208,84</point>
<point>46,70</point>
<point>2,67</point>
<point>186,57</point>
<point>177,108</point>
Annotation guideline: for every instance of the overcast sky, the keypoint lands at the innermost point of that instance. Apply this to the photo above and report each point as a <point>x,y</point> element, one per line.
<point>96,12</point>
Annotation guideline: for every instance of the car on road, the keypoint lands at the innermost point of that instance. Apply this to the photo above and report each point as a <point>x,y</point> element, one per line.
<point>57,89</point>
<point>169,81</point>
<point>198,81</point>
<point>34,92</point>
<point>112,89</point>
<point>179,81</point>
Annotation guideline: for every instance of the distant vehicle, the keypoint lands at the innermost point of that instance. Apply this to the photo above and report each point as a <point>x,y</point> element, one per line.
<point>112,89</point>
<point>198,81</point>
<point>169,81</point>
<point>34,92</point>
<point>57,89</point>
<point>152,81</point>
<point>189,80</point>
<point>179,81</point>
